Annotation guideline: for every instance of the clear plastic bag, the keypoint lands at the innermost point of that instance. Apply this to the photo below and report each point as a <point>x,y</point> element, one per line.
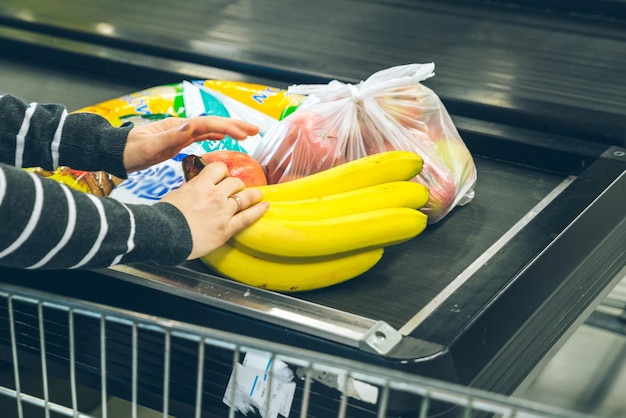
<point>339,122</point>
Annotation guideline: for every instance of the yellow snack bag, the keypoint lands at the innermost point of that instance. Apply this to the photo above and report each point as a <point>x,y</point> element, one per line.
<point>269,100</point>
<point>159,100</point>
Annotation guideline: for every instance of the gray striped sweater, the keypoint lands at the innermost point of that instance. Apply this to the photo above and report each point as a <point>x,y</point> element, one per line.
<point>47,225</point>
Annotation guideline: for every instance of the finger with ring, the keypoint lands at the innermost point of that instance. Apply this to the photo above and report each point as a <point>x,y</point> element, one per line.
<point>237,200</point>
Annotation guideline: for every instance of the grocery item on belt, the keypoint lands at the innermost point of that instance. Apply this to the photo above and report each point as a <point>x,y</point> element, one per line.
<point>391,110</point>
<point>272,101</point>
<point>166,100</point>
<point>329,227</point>
<point>239,164</point>
<point>189,99</point>
<point>97,183</point>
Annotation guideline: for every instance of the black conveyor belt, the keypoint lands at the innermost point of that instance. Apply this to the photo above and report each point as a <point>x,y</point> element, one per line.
<point>535,87</point>
<point>559,71</point>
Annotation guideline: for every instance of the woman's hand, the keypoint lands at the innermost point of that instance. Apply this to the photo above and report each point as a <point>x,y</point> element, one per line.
<point>216,207</point>
<point>158,141</point>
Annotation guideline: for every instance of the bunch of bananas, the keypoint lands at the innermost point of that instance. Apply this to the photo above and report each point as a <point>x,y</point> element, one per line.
<point>328,227</point>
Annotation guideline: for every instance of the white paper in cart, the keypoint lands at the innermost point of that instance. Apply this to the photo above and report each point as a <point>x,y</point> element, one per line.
<point>249,386</point>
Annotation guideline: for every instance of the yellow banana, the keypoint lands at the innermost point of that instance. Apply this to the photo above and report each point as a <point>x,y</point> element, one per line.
<point>293,275</point>
<point>271,237</point>
<point>367,171</point>
<point>407,194</point>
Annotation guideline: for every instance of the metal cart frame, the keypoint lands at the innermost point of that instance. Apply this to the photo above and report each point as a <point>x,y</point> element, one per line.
<point>430,397</point>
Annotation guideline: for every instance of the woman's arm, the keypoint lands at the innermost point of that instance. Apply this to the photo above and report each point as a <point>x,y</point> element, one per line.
<point>47,136</point>
<point>48,225</point>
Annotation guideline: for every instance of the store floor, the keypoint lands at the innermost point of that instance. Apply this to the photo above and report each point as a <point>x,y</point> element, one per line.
<point>587,375</point>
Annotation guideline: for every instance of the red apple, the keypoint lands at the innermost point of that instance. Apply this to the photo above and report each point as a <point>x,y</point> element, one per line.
<point>442,189</point>
<point>308,143</point>
<point>408,105</point>
<point>239,165</point>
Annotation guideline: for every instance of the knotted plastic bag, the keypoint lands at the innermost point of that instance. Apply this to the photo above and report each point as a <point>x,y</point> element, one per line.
<point>339,122</point>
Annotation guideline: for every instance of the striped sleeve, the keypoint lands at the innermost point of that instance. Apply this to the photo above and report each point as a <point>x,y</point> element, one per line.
<point>45,135</point>
<point>47,225</point>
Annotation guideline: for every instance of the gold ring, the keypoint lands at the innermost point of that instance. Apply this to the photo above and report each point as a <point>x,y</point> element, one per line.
<point>237,199</point>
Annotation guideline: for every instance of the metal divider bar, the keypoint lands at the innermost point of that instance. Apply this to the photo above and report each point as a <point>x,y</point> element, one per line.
<point>103,366</point>
<point>18,392</point>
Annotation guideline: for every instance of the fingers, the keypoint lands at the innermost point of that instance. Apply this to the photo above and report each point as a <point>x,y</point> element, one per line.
<point>248,216</point>
<point>244,203</point>
<point>213,127</point>
<point>244,199</point>
<point>216,207</point>
<point>238,197</point>
<point>155,142</point>
<point>252,209</point>
<point>238,202</point>
<point>214,172</point>
<point>217,173</point>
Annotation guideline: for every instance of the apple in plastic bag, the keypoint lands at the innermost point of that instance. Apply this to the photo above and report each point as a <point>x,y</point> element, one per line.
<point>308,145</point>
<point>413,107</point>
<point>404,103</point>
<point>449,173</point>
<point>441,187</point>
<point>416,108</point>
<point>453,154</point>
<point>459,160</point>
<point>239,164</point>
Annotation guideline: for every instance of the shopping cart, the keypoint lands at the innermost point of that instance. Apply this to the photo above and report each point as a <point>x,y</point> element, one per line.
<point>69,344</point>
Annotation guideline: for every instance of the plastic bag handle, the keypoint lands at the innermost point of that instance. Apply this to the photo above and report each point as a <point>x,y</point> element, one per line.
<point>390,78</point>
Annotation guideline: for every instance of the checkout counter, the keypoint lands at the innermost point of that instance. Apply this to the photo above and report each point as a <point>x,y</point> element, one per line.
<point>536,90</point>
